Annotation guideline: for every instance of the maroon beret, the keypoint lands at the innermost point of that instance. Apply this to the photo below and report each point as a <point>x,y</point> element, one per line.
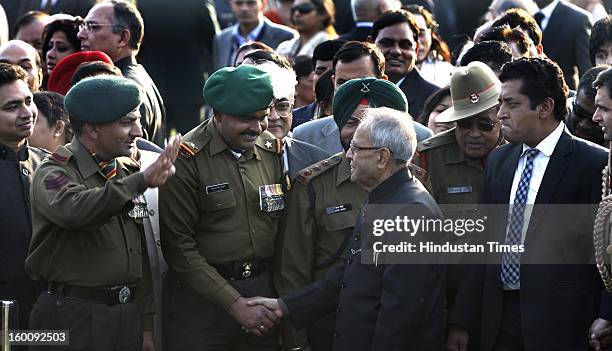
<point>61,76</point>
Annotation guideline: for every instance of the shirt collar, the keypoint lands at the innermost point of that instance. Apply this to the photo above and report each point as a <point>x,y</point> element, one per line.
<point>251,36</point>
<point>86,164</point>
<point>390,184</point>
<point>548,9</point>
<point>344,170</point>
<point>547,146</point>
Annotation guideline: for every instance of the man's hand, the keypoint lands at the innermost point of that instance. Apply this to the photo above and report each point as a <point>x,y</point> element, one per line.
<point>162,169</point>
<point>600,334</point>
<point>271,304</point>
<point>457,339</point>
<point>147,341</point>
<point>256,319</point>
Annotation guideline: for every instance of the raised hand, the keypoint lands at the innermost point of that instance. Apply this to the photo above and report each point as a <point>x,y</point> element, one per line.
<point>162,169</point>
<point>255,319</point>
<point>600,334</point>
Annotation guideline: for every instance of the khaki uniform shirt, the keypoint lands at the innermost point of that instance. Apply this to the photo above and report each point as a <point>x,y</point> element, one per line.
<point>82,233</point>
<point>210,210</point>
<point>322,210</point>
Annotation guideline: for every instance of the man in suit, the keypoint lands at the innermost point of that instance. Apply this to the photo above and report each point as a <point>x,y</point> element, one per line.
<point>525,301</point>
<point>251,26</point>
<point>116,28</point>
<point>365,13</point>
<point>396,35</point>
<point>381,306</point>
<point>565,36</point>
<point>354,60</point>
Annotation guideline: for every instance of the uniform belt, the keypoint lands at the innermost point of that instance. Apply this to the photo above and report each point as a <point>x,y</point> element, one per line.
<point>107,295</point>
<point>244,269</point>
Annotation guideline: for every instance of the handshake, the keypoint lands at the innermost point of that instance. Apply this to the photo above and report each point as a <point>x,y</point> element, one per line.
<point>257,315</point>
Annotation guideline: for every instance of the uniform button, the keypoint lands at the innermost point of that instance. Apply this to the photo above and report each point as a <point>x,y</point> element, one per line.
<point>242,169</point>
<point>158,242</point>
<point>348,260</point>
<point>151,212</point>
<point>343,285</point>
<point>356,237</point>
<point>131,250</point>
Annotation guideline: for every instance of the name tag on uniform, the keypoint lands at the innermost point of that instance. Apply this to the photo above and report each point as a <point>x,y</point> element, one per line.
<point>140,209</point>
<point>459,189</point>
<point>210,189</point>
<point>338,209</point>
<point>271,198</point>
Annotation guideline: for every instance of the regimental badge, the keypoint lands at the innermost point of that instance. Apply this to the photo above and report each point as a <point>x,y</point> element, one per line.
<point>271,198</point>
<point>140,209</point>
<point>474,98</point>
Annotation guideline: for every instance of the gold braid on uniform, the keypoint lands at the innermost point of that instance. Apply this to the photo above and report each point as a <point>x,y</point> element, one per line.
<point>600,228</point>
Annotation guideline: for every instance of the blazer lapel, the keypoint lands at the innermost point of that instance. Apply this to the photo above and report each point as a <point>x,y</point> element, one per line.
<point>506,176</point>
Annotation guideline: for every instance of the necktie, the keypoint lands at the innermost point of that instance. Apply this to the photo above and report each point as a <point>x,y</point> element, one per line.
<point>539,17</point>
<point>108,168</point>
<point>510,270</point>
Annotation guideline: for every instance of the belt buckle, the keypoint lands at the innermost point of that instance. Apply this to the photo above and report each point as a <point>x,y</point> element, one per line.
<point>124,294</point>
<point>247,269</point>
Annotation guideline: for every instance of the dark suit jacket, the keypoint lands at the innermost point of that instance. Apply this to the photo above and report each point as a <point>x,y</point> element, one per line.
<point>303,114</point>
<point>566,40</point>
<point>71,7</point>
<point>558,302</point>
<point>302,155</point>
<point>385,306</point>
<point>271,34</point>
<point>417,90</point>
<point>357,33</point>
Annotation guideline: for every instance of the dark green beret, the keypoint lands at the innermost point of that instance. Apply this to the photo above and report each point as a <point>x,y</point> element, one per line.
<point>102,99</point>
<point>239,91</point>
<point>378,93</point>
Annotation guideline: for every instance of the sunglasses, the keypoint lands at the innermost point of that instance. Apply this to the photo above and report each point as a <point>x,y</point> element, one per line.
<point>580,112</point>
<point>303,8</point>
<point>481,124</point>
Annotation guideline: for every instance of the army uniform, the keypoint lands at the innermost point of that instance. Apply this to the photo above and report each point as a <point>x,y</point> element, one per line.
<point>87,246</point>
<point>216,238</point>
<point>17,170</point>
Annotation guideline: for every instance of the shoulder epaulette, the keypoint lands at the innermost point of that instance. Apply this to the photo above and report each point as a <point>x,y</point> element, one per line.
<point>268,142</point>
<point>444,138</point>
<point>194,141</point>
<point>419,173</point>
<point>188,149</point>
<point>61,155</point>
<point>307,174</point>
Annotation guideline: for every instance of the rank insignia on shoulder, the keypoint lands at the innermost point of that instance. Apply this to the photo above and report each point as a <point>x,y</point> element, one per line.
<point>305,175</point>
<point>274,145</point>
<point>271,198</point>
<point>140,209</point>
<point>187,150</point>
<point>59,158</point>
<point>55,181</point>
<point>419,173</point>
<point>338,209</point>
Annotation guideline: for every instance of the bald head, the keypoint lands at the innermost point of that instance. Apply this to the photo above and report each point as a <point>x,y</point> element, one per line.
<point>22,54</point>
<point>369,10</point>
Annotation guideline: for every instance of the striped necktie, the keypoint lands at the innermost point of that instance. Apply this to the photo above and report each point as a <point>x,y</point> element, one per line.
<point>108,168</point>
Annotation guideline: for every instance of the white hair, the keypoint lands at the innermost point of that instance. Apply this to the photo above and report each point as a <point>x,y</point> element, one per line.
<point>283,80</point>
<point>391,129</point>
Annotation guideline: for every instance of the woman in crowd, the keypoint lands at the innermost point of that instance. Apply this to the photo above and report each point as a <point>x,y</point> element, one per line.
<point>434,56</point>
<point>60,40</point>
<point>435,104</point>
<point>52,128</point>
<point>304,90</point>
<point>314,21</point>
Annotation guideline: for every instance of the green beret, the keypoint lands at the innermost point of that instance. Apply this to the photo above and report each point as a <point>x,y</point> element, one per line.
<point>239,91</point>
<point>378,93</point>
<point>102,99</point>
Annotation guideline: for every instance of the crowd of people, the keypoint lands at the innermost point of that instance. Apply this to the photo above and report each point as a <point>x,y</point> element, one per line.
<point>203,175</point>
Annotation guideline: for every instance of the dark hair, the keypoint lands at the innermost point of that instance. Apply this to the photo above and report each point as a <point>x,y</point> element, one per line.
<point>604,79</point>
<point>600,35</point>
<point>28,18</point>
<point>519,18</point>
<point>394,17</point>
<point>51,104</point>
<point>432,101</point>
<point>328,9</point>
<point>506,34</point>
<point>70,27</point>
<point>438,45</point>
<point>128,17</point>
<point>354,50</point>
<point>324,90</point>
<point>254,45</point>
<point>303,66</point>
<point>542,78</point>
<point>94,68</point>
<point>264,55</point>
<point>586,81</point>
<point>326,50</point>
<point>10,73</point>
<point>493,53</point>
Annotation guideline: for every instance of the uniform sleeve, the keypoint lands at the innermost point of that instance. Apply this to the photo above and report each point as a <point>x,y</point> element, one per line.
<point>59,195</point>
<point>179,211</point>
<point>296,244</point>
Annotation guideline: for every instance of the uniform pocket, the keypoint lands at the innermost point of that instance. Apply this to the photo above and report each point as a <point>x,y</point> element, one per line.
<point>219,200</point>
<point>340,220</point>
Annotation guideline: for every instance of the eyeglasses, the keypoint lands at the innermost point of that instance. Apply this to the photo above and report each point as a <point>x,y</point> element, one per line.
<point>94,27</point>
<point>283,108</point>
<point>404,44</point>
<point>482,124</point>
<point>581,112</point>
<point>354,147</point>
<point>303,8</point>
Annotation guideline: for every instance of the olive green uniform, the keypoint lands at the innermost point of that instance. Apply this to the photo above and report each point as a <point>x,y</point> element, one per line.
<point>322,210</point>
<point>211,221</point>
<point>87,242</point>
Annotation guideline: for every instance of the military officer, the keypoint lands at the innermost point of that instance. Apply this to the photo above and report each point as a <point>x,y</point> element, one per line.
<point>324,204</point>
<point>219,216</point>
<point>87,211</point>
<point>17,164</point>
